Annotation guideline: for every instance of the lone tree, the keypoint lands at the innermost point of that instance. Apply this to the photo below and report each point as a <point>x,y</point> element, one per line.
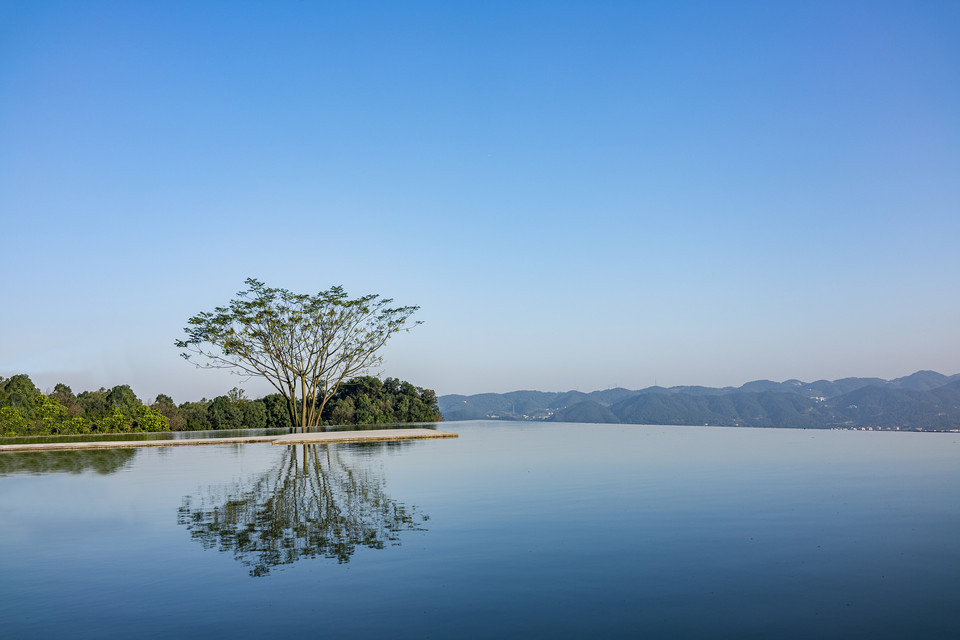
<point>305,346</point>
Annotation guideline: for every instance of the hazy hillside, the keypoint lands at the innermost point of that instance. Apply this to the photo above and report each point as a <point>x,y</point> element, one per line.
<point>924,400</point>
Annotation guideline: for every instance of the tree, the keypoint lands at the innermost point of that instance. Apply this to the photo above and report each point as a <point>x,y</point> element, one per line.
<point>275,407</point>
<point>122,397</point>
<point>20,393</point>
<point>64,395</point>
<point>367,400</point>
<point>303,345</point>
<point>254,414</point>
<point>94,403</point>
<point>224,414</point>
<point>165,406</point>
<point>12,422</point>
<point>51,414</point>
<point>145,418</point>
<point>195,416</point>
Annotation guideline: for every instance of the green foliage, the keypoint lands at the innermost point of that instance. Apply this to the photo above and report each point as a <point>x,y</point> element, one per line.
<point>112,422</point>
<point>20,393</point>
<point>165,406</point>
<point>64,395</point>
<point>123,398</point>
<point>12,422</point>
<point>94,403</point>
<point>50,413</point>
<point>276,411</point>
<point>234,411</point>
<point>145,418</point>
<point>343,411</point>
<point>224,414</point>
<point>254,414</point>
<point>24,410</point>
<point>367,400</point>
<point>195,416</point>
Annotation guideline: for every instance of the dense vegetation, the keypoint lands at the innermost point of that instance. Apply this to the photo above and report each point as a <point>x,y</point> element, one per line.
<point>925,400</point>
<point>24,410</point>
<point>367,400</point>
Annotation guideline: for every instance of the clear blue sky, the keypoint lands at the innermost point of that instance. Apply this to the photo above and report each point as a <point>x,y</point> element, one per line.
<point>578,194</point>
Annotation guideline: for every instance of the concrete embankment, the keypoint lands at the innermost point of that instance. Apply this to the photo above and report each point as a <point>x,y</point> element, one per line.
<point>324,437</point>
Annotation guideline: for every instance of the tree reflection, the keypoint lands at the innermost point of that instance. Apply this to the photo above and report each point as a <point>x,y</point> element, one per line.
<point>312,504</point>
<point>102,461</point>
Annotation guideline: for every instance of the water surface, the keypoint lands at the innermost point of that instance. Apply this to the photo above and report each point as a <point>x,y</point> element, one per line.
<point>514,528</point>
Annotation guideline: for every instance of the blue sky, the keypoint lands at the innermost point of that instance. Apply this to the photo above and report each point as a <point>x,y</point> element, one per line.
<point>578,194</point>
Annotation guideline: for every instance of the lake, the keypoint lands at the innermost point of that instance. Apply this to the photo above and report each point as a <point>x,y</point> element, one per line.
<point>559,530</point>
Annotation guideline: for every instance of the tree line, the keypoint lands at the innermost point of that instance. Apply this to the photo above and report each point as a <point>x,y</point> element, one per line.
<point>25,410</point>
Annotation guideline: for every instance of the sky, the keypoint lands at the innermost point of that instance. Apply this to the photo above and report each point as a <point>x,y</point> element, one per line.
<point>578,195</point>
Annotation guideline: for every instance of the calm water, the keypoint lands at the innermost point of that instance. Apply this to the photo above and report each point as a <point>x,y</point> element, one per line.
<point>514,528</point>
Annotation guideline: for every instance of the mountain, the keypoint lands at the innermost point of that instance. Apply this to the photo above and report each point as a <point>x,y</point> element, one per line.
<point>923,380</point>
<point>925,400</point>
<point>936,409</point>
<point>589,411</point>
<point>516,405</point>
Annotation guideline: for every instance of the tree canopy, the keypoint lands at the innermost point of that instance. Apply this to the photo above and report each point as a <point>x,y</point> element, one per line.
<point>367,400</point>
<point>305,346</point>
<point>24,410</point>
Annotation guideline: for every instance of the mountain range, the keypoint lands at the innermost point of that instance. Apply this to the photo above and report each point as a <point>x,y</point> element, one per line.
<point>923,401</point>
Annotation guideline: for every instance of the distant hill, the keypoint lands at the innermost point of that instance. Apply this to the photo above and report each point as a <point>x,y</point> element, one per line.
<point>925,400</point>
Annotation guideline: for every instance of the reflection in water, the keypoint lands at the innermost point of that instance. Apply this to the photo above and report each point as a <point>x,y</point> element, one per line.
<point>313,503</point>
<point>103,461</point>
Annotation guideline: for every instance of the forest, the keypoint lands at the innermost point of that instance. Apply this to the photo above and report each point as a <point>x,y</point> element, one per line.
<point>25,410</point>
